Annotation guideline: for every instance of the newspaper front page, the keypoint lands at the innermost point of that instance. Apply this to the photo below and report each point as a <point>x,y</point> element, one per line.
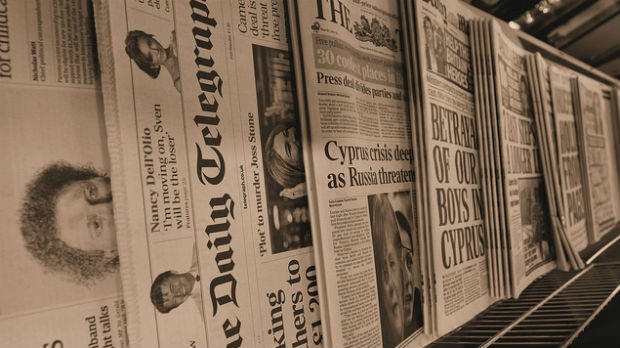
<point>58,255</point>
<point>541,90</point>
<point>529,226</point>
<point>615,124</point>
<point>352,84</point>
<point>217,232</point>
<point>415,106</point>
<point>458,236</point>
<point>597,159</point>
<point>568,158</point>
<point>611,137</point>
<point>538,74</point>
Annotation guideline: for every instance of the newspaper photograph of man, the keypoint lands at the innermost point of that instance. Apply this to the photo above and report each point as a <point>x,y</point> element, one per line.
<point>67,222</point>
<point>435,47</point>
<point>170,289</point>
<point>149,55</point>
<point>396,266</point>
<point>285,182</point>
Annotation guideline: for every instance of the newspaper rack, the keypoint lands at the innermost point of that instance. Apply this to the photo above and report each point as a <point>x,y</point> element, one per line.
<point>552,311</point>
<point>557,307</point>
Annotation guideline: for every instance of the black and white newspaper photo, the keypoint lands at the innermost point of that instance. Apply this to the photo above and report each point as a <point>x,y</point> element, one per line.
<point>280,134</point>
<point>398,278</point>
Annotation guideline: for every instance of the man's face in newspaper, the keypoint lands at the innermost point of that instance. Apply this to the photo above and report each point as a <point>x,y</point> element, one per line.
<point>391,283</point>
<point>152,50</point>
<point>176,289</point>
<point>407,267</point>
<point>84,215</point>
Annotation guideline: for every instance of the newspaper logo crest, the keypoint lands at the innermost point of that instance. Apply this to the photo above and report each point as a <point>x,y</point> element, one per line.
<point>379,35</point>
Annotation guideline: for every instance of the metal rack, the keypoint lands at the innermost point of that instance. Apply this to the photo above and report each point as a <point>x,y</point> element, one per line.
<point>553,310</point>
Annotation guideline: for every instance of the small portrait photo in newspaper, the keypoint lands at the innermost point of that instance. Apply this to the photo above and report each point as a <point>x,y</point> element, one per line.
<point>283,167</point>
<point>172,288</point>
<point>435,46</point>
<point>150,55</point>
<point>397,265</point>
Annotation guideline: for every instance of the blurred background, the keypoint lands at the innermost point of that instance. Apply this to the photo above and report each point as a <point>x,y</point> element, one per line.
<point>586,29</point>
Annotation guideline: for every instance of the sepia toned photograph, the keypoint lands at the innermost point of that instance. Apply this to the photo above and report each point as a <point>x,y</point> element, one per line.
<point>535,222</point>
<point>397,265</point>
<point>150,55</point>
<point>59,236</point>
<point>172,288</point>
<point>163,162</point>
<point>435,46</point>
<point>67,222</point>
<point>285,183</point>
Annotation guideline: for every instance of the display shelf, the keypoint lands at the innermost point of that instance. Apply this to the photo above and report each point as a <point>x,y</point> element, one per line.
<point>553,310</point>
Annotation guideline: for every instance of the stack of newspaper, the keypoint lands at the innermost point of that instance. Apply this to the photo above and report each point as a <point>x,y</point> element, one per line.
<point>454,227</point>
<point>285,173</point>
<point>551,158</point>
<point>522,247</point>
<point>59,261</point>
<point>569,234</point>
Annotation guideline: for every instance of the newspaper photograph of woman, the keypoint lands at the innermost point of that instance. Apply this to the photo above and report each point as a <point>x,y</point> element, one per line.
<point>397,265</point>
<point>283,167</point>
<point>149,55</point>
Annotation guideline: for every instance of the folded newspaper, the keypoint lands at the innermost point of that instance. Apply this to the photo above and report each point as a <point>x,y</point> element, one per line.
<point>360,168</point>
<point>59,262</point>
<point>214,227</point>
<point>449,145</point>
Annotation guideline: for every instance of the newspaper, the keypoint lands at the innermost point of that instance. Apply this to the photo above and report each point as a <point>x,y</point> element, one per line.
<point>615,124</point>
<point>58,254</point>
<point>489,155</point>
<point>597,159</point>
<point>360,164</point>
<point>419,145</point>
<point>486,155</point>
<point>498,196</point>
<point>531,249</point>
<point>215,217</point>
<point>540,89</point>
<point>611,138</point>
<point>572,192</point>
<point>458,234</point>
